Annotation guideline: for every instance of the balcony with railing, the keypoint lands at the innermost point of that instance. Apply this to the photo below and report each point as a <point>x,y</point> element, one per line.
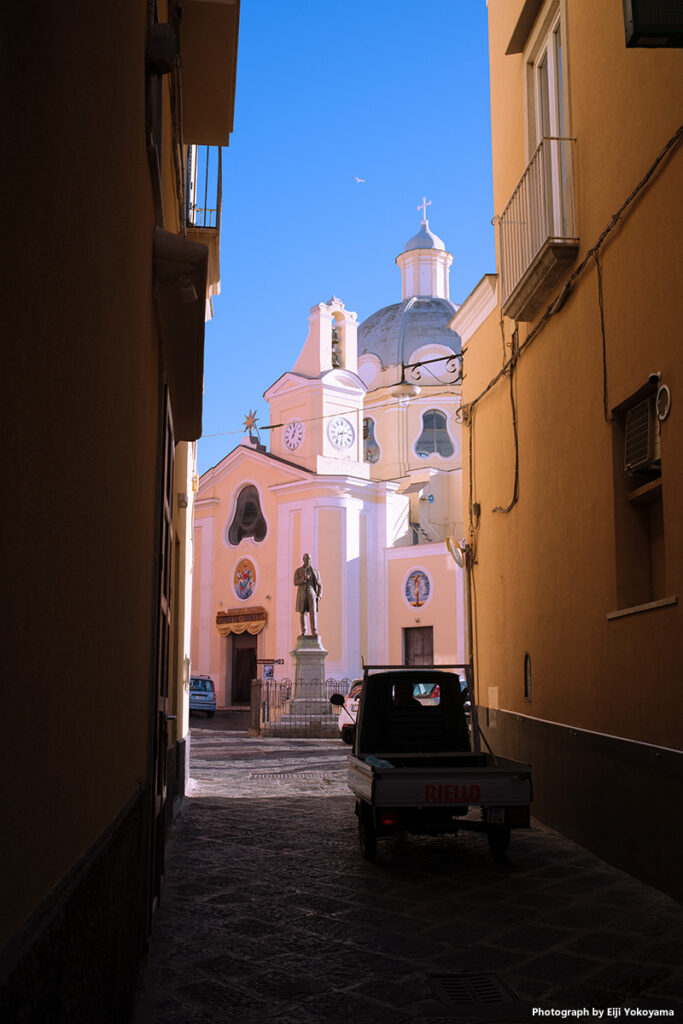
<point>538,230</point>
<point>203,199</point>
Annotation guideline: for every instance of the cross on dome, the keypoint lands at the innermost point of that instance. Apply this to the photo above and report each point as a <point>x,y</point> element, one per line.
<point>425,203</point>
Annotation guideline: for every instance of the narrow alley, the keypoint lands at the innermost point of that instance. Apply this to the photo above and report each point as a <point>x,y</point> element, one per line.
<point>269,913</point>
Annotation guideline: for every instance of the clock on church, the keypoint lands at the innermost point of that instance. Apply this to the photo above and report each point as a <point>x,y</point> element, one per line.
<point>293,435</point>
<point>341,433</point>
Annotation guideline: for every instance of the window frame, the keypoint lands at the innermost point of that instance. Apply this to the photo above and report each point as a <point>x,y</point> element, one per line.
<point>548,42</point>
<point>371,462</point>
<point>250,539</point>
<point>435,452</point>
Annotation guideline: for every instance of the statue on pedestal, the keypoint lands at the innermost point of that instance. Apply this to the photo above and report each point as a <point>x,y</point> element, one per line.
<point>308,592</point>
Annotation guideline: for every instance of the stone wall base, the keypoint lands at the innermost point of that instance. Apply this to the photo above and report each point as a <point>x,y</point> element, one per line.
<point>78,958</point>
<point>618,798</point>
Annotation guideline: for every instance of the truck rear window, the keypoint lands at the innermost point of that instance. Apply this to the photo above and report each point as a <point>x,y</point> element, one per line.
<point>203,685</point>
<point>423,693</point>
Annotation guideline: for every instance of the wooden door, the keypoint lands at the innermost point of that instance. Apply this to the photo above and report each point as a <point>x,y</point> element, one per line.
<point>418,645</point>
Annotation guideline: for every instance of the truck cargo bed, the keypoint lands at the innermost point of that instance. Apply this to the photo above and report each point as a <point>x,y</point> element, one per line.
<point>401,780</point>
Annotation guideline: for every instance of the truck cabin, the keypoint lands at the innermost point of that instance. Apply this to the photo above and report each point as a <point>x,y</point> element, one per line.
<point>404,712</point>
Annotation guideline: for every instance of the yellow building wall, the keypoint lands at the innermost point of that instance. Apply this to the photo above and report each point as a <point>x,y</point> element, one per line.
<point>82,562</point>
<point>547,569</point>
<point>440,611</point>
<point>605,704</point>
<point>82,513</point>
<point>197,579</point>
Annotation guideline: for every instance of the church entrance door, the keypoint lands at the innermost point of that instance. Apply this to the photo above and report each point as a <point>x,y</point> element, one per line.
<point>418,645</point>
<point>243,667</point>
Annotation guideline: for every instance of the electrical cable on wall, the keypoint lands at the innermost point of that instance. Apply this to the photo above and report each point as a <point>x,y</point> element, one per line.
<point>601,303</point>
<point>515,487</point>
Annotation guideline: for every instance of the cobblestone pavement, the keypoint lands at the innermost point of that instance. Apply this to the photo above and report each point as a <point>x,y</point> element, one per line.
<point>270,915</point>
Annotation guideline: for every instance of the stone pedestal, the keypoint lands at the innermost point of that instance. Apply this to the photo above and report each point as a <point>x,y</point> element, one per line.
<point>309,712</point>
<point>309,674</point>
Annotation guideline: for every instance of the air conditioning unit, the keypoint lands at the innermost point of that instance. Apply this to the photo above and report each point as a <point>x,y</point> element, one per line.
<point>653,22</point>
<point>642,448</point>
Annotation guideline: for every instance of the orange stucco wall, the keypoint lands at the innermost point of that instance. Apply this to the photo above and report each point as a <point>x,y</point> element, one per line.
<point>82,424</point>
<point>545,575</point>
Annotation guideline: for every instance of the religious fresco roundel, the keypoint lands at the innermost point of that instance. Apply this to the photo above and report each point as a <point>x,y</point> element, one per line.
<point>244,580</point>
<point>417,588</point>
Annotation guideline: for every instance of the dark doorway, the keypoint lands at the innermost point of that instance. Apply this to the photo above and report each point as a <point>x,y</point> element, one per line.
<point>418,645</point>
<point>243,667</point>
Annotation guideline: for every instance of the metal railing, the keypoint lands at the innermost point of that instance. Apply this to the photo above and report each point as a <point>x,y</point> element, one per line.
<point>204,187</point>
<point>541,209</point>
<point>277,705</point>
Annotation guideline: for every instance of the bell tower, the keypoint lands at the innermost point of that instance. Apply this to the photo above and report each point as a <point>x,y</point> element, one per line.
<point>331,342</point>
<point>319,403</point>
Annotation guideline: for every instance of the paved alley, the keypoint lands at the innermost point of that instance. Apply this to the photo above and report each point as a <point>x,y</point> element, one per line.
<point>270,915</point>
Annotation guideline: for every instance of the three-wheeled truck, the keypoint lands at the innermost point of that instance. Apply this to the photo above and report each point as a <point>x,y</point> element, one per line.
<point>418,767</point>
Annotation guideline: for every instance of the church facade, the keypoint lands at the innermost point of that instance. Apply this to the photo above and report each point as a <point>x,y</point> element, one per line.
<point>364,474</point>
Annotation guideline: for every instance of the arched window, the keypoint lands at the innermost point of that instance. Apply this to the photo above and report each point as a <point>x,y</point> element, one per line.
<point>434,437</point>
<point>248,520</point>
<point>370,446</point>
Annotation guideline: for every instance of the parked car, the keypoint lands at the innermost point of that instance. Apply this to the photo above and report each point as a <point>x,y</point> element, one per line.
<point>349,710</point>
<point>203,695</point>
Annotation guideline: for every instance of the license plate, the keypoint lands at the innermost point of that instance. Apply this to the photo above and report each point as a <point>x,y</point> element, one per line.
<point>495,815</point>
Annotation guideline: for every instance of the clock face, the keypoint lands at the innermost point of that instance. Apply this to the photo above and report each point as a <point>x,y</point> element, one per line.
<point>341,433</point>
<point>293,435</point>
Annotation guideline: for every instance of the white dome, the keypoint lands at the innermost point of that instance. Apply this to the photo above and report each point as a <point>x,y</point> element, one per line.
<point>424,239</point>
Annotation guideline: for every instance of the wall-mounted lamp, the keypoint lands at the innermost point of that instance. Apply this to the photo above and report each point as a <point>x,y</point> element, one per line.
<point>404,392</point>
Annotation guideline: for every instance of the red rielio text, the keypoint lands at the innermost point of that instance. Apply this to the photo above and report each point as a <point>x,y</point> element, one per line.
<point>438,793</point>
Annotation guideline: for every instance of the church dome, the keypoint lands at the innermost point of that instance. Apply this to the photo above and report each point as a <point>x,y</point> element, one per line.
<point>395,332</point>
<point>424,239</point>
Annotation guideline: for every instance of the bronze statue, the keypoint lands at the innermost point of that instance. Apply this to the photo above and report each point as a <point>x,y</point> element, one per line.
<point>309,590</point>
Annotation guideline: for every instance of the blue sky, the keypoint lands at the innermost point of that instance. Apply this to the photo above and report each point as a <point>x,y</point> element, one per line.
<point>390,91</point>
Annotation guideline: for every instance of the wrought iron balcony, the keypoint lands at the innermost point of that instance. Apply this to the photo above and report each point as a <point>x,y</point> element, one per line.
<point>538,230</point>
<point>203,201</point>
<point>204,187</point>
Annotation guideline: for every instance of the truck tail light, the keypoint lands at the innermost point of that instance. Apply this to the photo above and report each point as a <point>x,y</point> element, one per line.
<point>519,817</point>
<point>388,818</point>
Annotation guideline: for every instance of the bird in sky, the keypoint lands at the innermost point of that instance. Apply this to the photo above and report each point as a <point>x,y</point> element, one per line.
<point>360,180</point>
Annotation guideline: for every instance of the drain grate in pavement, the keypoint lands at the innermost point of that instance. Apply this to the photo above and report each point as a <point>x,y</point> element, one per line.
<point>289,776</point>
<point>469,990</point>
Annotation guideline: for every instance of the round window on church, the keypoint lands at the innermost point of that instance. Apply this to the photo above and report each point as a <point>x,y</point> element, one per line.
<point>244,579</point>
<point>417,588</point>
